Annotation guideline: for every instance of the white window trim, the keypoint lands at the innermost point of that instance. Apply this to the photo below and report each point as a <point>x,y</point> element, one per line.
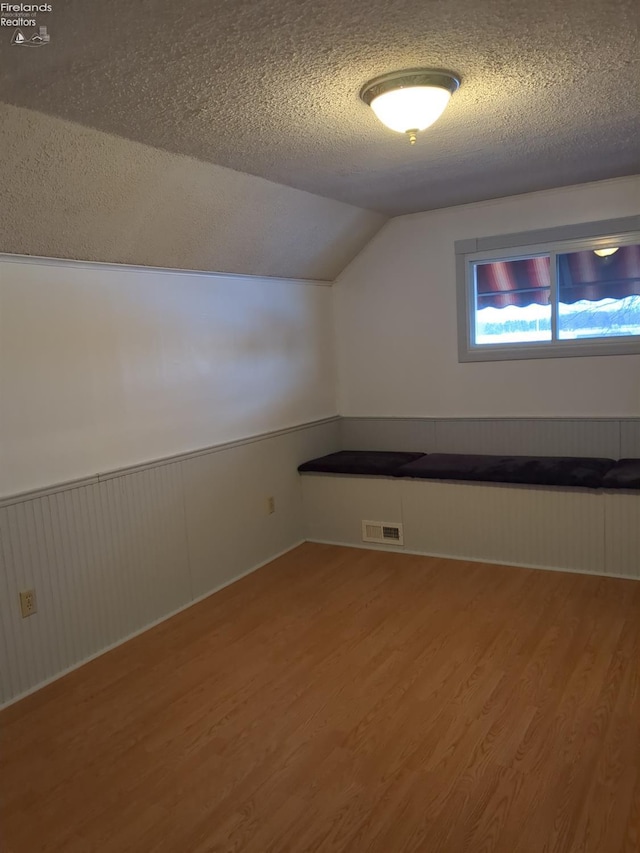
<point>549,241</point>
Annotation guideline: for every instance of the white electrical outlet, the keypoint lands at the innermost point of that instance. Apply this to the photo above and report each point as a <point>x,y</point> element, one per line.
<point>28,604</point>
<point>271,505</point>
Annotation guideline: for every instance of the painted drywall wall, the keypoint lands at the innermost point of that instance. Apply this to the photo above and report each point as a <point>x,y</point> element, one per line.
<point>103,367</point>
<point>396,325</point>
<point>72,192</point>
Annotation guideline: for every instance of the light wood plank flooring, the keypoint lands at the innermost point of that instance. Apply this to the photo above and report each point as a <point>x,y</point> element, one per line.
<point>346,700</point>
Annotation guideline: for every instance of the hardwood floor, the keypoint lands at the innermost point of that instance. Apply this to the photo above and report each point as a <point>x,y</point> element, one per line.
<point>346,700</point>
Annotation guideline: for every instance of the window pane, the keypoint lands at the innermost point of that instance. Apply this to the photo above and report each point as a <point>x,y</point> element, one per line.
<point>512,301</point>
<point>599,297</point>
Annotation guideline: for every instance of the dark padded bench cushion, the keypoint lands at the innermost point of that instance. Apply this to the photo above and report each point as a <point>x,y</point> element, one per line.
<point>531,470</point>
<point>380,463</point>
<point>450,466</point>
<point>625,474</point>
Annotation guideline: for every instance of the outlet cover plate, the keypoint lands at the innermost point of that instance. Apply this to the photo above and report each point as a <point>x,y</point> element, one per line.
<point>28,604</point>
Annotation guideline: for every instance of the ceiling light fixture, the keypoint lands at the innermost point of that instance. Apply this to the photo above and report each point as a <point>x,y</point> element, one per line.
<point>410,101</point>
<point>604,253</point>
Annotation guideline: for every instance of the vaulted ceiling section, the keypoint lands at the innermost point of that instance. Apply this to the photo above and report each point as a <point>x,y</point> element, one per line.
<point>549,94</point>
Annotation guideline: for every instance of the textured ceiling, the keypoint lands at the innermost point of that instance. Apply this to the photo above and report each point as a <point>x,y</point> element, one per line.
<point>74,192</point>
<point>549,94</point>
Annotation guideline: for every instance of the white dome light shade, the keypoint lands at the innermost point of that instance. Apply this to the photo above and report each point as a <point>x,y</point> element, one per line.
<point>604,253</point>
<point>409,101</point>
<point>414,108</point>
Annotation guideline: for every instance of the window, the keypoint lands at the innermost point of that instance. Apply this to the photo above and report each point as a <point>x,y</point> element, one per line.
<point>550,293</point>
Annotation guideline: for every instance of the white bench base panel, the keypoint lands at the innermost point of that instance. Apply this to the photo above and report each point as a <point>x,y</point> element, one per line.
<point>594,532</point>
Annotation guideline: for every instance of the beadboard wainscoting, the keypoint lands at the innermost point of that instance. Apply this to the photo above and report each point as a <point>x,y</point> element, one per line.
<point>113,554</point>
<point>614,438</point>
<point>578,530</point>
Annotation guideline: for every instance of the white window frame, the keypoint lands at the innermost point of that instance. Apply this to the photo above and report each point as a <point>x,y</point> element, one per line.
<point>548,242</point>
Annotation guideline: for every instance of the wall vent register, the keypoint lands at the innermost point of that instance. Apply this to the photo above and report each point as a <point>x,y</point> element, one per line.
<point>382,532</point>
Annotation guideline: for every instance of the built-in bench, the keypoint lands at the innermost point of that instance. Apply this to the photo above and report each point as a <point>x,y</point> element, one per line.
<point>377,463</point>
<point>569,471</point>
<point>572,513</point>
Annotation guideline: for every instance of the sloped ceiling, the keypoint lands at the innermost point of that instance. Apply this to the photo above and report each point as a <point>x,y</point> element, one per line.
<point>74,192</point>
<point>549,93</point>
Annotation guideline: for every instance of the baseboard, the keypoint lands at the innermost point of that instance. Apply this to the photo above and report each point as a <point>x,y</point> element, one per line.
<point>390,549</point>
<point>145,628</point>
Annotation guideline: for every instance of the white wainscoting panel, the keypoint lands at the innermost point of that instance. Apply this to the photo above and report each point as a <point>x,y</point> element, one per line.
<point>534,526</point>
<point>408,434</point>
<point>609,437</point>
<point>630,438</point>
<point>622,513</point>
<point>530,436</point>
<point>113,556</point>
<point>226,496</point>
<point>581,530</point>
<point>335,506</point>
<point>105,559</point>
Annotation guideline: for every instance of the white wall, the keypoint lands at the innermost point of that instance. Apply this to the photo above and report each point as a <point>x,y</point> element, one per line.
<point>103,367</point>
<point>395,309</point>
